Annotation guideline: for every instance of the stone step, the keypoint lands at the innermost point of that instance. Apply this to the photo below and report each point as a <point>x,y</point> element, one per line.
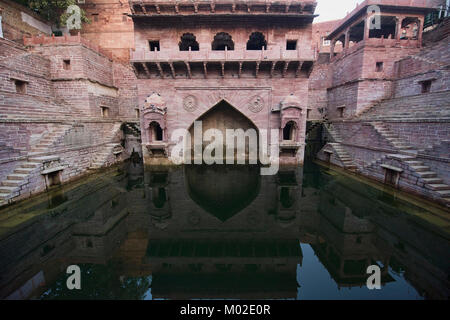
<point>30,164</point>
<point>17,176</point>
<point>427,174</point>
<point>437,187</point>
<point>5,196</point>
<point>420,168</point>
<point>8,189</point>
<point>414,163</point>
<point>433,180</point>
<point>444,193</point>
<point>13,183</point>
<point>24,170</point>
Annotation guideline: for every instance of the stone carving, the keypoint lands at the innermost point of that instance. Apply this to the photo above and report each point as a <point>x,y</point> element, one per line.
<point>256,104</point>
<point>155,103</point>
<point>190,103</point>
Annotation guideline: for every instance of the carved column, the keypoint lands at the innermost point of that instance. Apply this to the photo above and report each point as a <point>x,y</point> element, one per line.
<point>398,28</point>
<point>1,29</point>
<point>333,44</point>
<point>347,39</point>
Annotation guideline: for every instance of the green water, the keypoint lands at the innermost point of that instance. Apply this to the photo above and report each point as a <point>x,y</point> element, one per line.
<point>200,232</point>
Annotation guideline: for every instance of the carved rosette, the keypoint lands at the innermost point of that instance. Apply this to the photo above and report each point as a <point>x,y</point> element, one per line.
<point>256,104</point>
<point>190,103</point>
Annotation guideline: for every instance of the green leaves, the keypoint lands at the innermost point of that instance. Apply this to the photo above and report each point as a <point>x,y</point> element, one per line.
<point>55,11</point>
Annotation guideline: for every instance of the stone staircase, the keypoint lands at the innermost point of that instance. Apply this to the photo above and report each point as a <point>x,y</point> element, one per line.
<point>100,159</point>
<point>423,106</point>
<point>11,186</point>
<point>7,152</point>
<point>393,139</point>
<point>341,153</point>
<point>343,156</point>
<point>132,128</point>
<point>426,177</point>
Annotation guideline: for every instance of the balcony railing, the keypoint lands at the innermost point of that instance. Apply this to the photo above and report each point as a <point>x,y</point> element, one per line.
<point>275,53</point>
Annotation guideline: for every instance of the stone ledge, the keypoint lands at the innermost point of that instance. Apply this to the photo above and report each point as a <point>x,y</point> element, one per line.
<point>385,166</point>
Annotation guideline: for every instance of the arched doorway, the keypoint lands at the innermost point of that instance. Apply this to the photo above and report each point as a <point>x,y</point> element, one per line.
<point>224,116</point>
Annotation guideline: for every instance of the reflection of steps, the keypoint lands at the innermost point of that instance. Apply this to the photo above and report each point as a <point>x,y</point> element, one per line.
<point>343,156</point>
<point>392,138</point>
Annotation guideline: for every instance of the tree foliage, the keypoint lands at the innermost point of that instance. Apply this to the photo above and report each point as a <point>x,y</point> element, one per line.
<point>55,11</point>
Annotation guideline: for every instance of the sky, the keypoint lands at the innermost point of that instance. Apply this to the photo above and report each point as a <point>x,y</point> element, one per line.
<point>334,9</point>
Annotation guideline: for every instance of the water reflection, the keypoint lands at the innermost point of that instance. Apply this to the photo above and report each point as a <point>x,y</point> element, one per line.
<point>221,232</point>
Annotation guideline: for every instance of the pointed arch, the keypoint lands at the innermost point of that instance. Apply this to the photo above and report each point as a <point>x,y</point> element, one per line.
<point>188,40</point>
<point>221,41</point>
<point>257,41</point>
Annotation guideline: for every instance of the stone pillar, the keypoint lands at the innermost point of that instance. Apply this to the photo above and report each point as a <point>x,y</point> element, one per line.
<point>1,29</point>
<point>333,44</point>
<point>366,27</point>
<point>420,31</point>
<point>398,28</point>
<point>347,39</point>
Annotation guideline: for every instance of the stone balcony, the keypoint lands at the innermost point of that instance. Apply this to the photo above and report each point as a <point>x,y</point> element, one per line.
<point>207,7</point>
<point>274,62</point>
<point>378,43</point>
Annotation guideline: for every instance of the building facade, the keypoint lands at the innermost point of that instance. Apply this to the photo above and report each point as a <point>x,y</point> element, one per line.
<point>372,87</point>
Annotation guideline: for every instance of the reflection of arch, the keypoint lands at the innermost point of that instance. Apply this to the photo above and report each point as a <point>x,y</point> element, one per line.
<point>221,41</point>
<point>232,190</point>
<point>257,41</point>
<point>156,132</point>
<point>188,40</point>
<point>286,198</point>
<point>159,197</point>
<point>289,131</point>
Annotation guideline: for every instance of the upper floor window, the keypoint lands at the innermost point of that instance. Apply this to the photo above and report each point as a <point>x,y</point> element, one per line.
<point>257,41</point>
<point>154,45</point>
<point>291,45</point>
<point>221,41</point>
<point>188,41</point>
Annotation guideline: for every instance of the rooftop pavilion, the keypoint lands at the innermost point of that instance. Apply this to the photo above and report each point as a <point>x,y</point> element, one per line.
<point>389,23</point>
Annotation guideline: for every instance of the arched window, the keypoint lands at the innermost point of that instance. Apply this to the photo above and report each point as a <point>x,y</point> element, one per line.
<point>189,40</point>
<point>289,131</point>
<point>257,41</point>
<point>221,41</point>
<point>156,132</point>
